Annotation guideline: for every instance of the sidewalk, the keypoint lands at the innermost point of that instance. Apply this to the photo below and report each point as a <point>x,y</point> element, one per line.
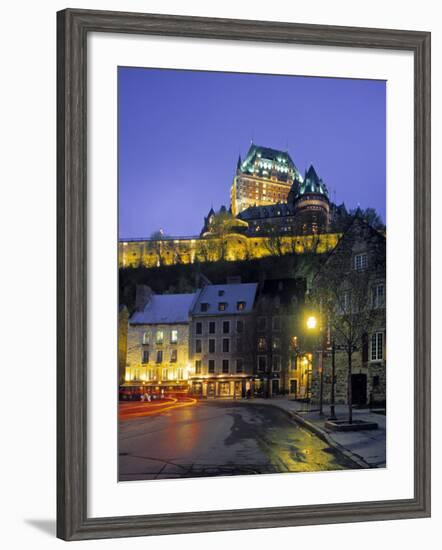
<point>366,447</point>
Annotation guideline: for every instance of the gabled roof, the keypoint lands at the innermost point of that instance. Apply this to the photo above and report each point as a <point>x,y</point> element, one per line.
<point>165,309</point>
<point>229,294</point>
<point>358,229</point>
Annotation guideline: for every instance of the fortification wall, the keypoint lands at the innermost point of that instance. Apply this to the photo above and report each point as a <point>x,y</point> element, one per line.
<point>153,253</point>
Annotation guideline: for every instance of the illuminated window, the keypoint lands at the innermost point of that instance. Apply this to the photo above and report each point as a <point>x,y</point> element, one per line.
<point>160,337</point>
<point>276,344</point>
<point>240,306</point>
<point>377,346</point>
<point>198,366</point>
<point>164,374</point>
<point>174,336</point>
<point>222,306</point>
<point>262,343</point>
<point>180,373</point>
<point>145,337</point>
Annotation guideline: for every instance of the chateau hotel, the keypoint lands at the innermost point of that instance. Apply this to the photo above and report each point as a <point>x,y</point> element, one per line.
<point>268,197</point>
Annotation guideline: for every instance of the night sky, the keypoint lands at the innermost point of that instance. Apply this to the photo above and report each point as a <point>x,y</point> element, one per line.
<point>180,134</point>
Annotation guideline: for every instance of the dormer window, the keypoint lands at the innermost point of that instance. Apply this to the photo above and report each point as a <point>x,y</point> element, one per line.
<point>220,292</point>
<point>204,306</point>
<point>222,306</point>
<point>240,306</point>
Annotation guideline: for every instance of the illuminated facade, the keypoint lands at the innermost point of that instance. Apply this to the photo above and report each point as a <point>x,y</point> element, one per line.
<point>264,177</point>
<point>158,343</point>
<point>231,247</point>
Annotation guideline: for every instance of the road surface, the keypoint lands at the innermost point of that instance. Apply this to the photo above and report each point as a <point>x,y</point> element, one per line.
<point>217,438</point>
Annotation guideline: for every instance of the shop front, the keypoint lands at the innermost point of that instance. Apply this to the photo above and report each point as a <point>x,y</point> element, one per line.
<point>218,387</point>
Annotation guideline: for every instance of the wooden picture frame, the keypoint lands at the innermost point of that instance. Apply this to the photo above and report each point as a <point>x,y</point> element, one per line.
<point>73,27</point>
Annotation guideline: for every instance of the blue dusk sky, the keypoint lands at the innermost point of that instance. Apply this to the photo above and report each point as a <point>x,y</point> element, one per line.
<point>180,134</point>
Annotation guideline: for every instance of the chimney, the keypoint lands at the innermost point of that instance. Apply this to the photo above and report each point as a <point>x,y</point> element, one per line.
<point>142,297</point>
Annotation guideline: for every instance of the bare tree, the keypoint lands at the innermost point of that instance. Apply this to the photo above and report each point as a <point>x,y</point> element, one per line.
<point>342,292</point>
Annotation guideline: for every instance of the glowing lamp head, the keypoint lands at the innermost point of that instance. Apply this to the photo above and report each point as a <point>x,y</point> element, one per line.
<point>312,322</point>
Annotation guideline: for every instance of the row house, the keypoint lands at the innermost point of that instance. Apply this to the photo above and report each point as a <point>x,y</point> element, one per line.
<point>279,367</point>
<point>232,340</point>
<point>221,340</point>
<point>158,343</point>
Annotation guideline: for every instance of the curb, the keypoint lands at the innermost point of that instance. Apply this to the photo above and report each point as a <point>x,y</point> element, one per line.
<point>330,441</point>
<point>322,434</point>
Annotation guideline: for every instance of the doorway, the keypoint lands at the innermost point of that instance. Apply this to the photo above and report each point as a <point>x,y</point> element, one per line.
<point>359,389</point>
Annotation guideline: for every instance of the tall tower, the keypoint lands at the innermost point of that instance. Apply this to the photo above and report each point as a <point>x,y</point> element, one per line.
<point>311,205</point>
<point>264,177</point>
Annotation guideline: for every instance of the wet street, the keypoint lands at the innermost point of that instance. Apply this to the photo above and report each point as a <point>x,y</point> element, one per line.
<point>219,438</point>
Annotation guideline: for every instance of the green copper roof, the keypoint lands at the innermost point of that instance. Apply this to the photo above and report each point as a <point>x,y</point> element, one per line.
<point>312,184</point>
<point>264,161</point>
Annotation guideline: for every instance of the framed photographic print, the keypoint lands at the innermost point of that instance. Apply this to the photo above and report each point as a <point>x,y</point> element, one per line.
<point>243,274</point>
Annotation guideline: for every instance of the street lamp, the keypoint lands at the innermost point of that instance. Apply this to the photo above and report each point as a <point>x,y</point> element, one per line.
<point>312,323</point>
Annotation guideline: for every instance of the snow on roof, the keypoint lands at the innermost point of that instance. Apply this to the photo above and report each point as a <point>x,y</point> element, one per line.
<point>165,309</point>
<point>230,295</point>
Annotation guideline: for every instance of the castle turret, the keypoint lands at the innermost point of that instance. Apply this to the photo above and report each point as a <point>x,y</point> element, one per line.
<point>311,204</point>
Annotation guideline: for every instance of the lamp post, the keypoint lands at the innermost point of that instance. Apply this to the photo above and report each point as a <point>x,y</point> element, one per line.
<point>332,392</point>
<point>312,323</point>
